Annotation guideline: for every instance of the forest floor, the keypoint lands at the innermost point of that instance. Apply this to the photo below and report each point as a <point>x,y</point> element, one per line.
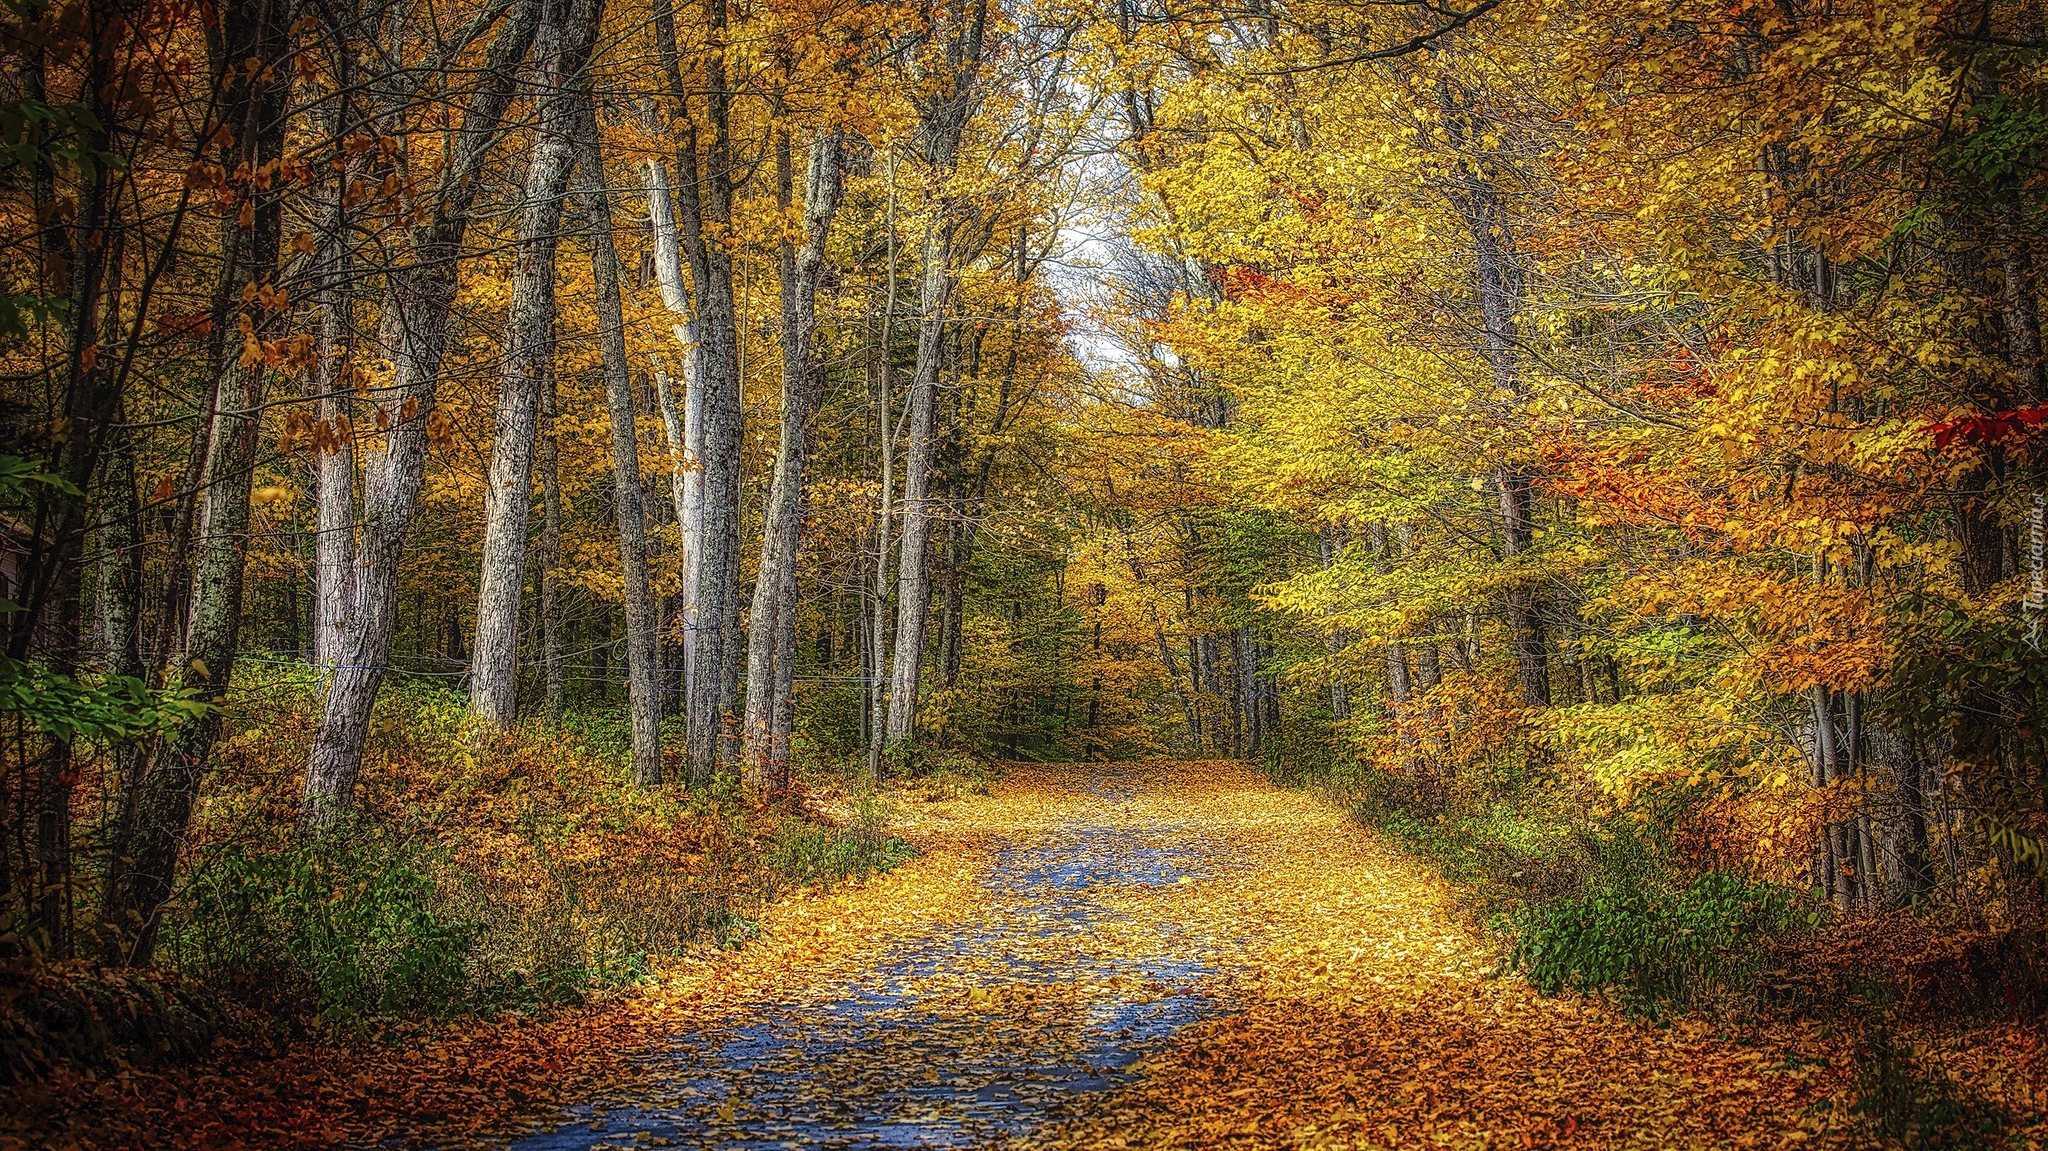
<point>1159,955</point>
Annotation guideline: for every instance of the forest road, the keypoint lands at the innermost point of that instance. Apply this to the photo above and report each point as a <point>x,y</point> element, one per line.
<point>1180,955</point>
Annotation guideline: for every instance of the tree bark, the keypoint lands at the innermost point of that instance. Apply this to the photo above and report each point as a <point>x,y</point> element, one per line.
<point>334,486</point>
<point>643,674</point>
<point>913,580</point>
<point>1497,284</point>
<point>91,391</point>
<point>140,867</point>
<point>704,200</point>
<point>561,48</point>
<point>2021,310</point>
<point>681,422</point>
<point>943,121</point>
<point>553,698</point>
<point>1830,768</point>
<point>1903,846</point>
<point>334,448</point>
<point>1329,542</point>
<point>775,585</point>
<point>876,699</point>
<point>414,334</point>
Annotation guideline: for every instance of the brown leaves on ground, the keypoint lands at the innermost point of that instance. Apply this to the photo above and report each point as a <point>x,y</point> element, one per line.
<point>1349,1005</point>
<point>1294,1073</point>
<point>483,1082</point>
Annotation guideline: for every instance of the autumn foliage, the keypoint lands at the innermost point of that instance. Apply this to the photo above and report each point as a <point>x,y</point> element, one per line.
<point>492,494</point>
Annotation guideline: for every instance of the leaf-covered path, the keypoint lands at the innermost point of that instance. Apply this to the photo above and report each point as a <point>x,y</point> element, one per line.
<point>1169,955</point>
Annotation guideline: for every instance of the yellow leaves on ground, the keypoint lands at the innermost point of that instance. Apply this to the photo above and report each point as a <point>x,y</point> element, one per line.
<point>1162,955</point>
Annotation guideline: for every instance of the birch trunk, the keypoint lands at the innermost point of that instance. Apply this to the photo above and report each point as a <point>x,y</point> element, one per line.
<point>643,673</point>
<point>711,593</point>
<point>334,484</point>
<point>117,599</point>
<point>414,335</point>
<point>775,586</point>
<point>560,50</point>
<point>681,424</point>
<point>913,580</point>
<point>877,695</point>
<point>334,454</point>
<point>553,698</point>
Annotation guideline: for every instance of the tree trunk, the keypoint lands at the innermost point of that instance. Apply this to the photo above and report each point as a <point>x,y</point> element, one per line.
<point>119,608</point>
<point>1902,847</point>
<point>334,447</point>
<point>711,597</point>
<point>943,121</point>
<point>1396,656</point>
<point>877,695</point>
<point>774,608</point>
<point>2021,311</point>
<point>681,422</point>
<point>1525,619</point>
<point>1829,769</point>
<point>553,698</point>
<point>561,48</point>
<point>1497,284</point>
<point>1330,541</point>
<point>91,392</point>
<point>140,866</point>
<point>913,580</point>
<point>643,674</point>
<point>782,725</point>
<point>414,335</point>
<point>117,597</point>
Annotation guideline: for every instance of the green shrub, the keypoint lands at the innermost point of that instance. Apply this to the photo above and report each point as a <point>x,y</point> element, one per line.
<point>1651,949</point>
<point>950,773</point>
<point>804,852</point>
<point>351,921</point>
<point>1305,752</point>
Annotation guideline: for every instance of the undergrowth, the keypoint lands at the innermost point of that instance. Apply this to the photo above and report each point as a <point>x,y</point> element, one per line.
<point>1635,906</point>
<point>484,871</point>
<point>1615,906</point>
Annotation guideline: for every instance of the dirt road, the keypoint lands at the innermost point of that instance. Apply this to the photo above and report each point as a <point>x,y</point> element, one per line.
<point>1174,954</point>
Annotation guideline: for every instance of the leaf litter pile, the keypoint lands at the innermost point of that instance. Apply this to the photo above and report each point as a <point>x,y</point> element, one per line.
<point>1096,956</point>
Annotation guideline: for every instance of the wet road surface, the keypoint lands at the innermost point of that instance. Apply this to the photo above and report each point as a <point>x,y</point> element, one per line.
<point>1066,977</point>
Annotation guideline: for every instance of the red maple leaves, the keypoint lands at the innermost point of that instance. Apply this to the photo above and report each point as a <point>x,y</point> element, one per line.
<point>1990,429</point>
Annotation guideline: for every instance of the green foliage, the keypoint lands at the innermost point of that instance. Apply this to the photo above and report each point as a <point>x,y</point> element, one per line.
<point>117,707</point>
<point>352,920</point>
<point>1652,949</point>
<point>61,706</point>
<point>2010,141</point>
<point>804,852</point>
<point>33,132</point>
<point>485,870</point>
<point>18,310</point>
<point>18,476</point>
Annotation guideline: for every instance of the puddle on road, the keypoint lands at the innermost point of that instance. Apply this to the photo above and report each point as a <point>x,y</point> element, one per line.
<point>958,1041</point>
